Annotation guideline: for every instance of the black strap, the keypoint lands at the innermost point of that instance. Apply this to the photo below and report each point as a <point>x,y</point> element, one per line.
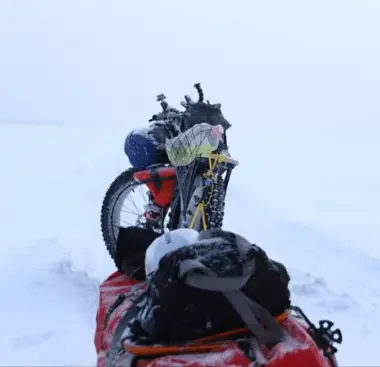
<point>253,314</point>
<point>116,347</point>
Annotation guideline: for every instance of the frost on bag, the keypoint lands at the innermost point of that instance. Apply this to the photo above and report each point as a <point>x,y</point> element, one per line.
<point>199,141</point>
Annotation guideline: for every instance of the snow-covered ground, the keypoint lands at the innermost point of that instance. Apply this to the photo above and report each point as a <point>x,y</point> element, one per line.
<point>298,81</point>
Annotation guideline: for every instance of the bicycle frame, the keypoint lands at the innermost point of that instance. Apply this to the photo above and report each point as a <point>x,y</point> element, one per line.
<point>216,163</point>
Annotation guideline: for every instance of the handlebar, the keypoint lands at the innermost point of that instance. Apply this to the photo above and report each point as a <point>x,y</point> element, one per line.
<point>166,109</point>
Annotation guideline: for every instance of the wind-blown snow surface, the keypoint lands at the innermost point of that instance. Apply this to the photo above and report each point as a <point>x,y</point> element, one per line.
<point>299,82</point>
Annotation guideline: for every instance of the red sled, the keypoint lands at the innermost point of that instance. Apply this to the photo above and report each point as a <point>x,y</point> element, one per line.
<point>305,345</point>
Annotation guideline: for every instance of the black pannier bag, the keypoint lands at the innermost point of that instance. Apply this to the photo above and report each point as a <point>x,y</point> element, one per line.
<point>217,284</point>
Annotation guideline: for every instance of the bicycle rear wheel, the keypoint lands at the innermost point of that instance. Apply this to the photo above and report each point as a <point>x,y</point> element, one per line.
<point>123,206</point>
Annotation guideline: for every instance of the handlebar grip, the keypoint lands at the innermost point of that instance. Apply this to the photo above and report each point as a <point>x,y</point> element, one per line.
<point>200,92</point>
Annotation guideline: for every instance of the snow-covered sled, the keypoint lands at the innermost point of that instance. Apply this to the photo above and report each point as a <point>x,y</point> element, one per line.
<point>203,299</point>
<point>306,345</point>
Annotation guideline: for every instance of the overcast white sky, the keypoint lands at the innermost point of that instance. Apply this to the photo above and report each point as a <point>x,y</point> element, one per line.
<point>291,63</point>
